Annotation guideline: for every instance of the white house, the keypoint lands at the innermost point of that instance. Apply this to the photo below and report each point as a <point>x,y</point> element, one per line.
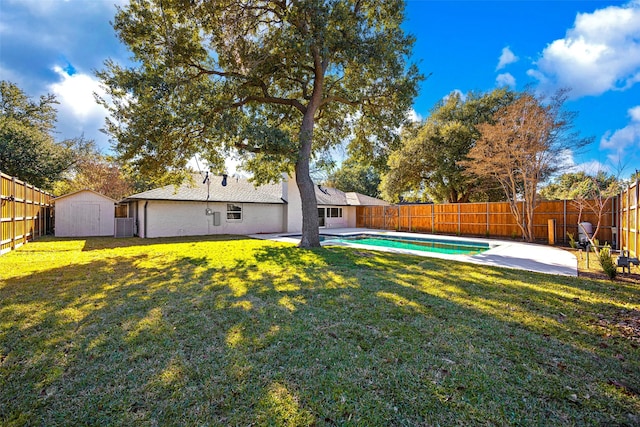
<point>206,206</point>
<point>84,213</point>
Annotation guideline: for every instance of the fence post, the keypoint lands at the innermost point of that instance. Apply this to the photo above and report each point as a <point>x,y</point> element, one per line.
<point>628,192</point>
<point>13,213</point>
<point>564,221</point>
<point>433,218</point>
<point>459,219</point>
<point>487,208</point>
<point>637,220</point>
<point>25,224</point>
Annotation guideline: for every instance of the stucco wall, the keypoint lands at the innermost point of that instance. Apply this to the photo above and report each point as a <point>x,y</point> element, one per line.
<point>167,218</point>
<point>348,218</point>
<point>294,206</point>
<point>84,214</point>
<point>293,213</point>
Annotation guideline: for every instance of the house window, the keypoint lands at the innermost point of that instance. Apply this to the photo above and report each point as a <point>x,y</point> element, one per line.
<point>234,212</point>
<point>334,212</point>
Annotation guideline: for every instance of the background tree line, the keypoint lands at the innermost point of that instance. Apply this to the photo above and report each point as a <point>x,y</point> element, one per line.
<point>29,151</point>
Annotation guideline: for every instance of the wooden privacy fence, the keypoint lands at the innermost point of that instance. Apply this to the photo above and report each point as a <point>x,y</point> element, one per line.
<point>629,219</point>
<point>26,213</point>
<point>486,219</point>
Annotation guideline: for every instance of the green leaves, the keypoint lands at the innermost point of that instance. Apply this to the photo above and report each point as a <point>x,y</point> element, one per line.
<point>580,185</point>
<point>217,75</point>
<point>427,165</point>
<point>27,148</point>
<point>356,176</point>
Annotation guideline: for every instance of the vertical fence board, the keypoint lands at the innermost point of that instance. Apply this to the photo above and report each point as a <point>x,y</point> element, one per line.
<point>628,205</point>
<point>23,212</point>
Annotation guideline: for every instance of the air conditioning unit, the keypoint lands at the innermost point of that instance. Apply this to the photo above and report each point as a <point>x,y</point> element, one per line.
<point>124,227</point>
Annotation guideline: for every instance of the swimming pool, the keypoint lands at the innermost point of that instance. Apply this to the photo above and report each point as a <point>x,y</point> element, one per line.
<point>442,246</point>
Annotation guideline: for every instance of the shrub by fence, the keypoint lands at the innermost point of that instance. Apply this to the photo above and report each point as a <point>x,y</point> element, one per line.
<point>486,219</point>
<point>26,213</point>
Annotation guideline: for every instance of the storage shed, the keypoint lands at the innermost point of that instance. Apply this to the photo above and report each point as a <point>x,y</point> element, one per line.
<point>84,213</point>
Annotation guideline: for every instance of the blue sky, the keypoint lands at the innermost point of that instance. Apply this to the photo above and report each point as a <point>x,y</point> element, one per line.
<point>54,46</point>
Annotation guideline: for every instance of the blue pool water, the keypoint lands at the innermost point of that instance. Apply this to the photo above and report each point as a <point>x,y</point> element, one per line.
<point>443,246</point>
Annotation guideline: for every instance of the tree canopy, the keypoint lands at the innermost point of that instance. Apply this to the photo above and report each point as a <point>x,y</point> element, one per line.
<point>278,81</point>
<point>575,185</point>
<point>354,175</point>
<point>427,163</point>
<point>521,148</point>
<point>28,150</point>
<point>96,172</point>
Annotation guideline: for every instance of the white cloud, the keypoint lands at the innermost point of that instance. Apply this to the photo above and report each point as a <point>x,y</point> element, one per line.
<point>507,57</point>
<point>591,167</point>
<point>621,140</point>
<point>600,53</point>
<point>78,112</point>
<point>75,94</point>
<point>413,116</point>
<point>506,79</point>
<point>567,162</point>
<point>458,92</point>
<point>625,137</point>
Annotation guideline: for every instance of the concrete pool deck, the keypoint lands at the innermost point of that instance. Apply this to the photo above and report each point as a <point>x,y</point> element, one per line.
<point>502,253</point>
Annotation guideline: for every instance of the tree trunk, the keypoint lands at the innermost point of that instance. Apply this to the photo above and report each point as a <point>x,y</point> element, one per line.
<point>531,237</point>
<point>310,233</point>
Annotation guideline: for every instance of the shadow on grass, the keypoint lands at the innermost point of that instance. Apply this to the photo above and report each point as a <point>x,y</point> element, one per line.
<point>238,331</point>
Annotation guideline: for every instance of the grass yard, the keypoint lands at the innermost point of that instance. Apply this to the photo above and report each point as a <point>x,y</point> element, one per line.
<point>235,331</point>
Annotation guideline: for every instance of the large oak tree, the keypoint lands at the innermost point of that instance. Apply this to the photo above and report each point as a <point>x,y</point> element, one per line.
<point>278,81</point>
<point>427,162</point>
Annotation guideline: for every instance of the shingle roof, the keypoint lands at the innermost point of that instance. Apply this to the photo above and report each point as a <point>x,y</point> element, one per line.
<point>238,190</point>
<point>357,199</point>
<point>333,196</point>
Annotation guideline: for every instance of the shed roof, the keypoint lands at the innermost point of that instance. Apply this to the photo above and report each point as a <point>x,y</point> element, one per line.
<point>82,191</point>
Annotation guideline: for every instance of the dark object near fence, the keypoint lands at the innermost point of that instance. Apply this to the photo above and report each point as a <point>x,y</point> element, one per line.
<point>625,261</point>
<point>585,233</point>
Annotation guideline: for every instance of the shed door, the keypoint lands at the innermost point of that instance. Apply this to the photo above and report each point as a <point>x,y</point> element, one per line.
<point>87,220</point>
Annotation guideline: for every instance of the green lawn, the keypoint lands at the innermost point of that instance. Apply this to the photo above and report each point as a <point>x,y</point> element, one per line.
<point>235,331</point>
